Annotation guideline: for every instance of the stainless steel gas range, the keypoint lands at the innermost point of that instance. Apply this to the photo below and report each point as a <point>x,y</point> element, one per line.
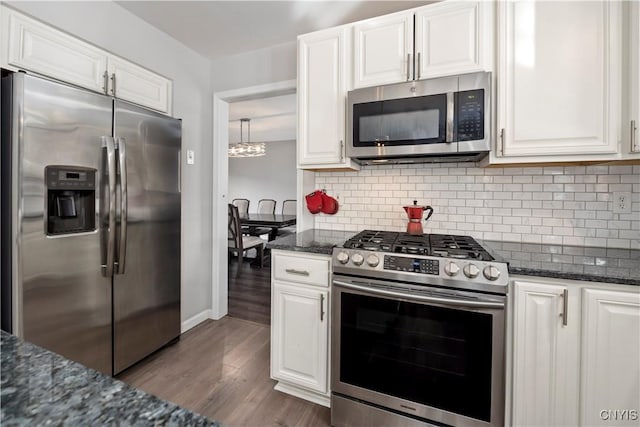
<point>417,333</point>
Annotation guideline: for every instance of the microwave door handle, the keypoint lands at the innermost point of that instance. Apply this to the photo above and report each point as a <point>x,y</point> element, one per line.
<point>450,117</point>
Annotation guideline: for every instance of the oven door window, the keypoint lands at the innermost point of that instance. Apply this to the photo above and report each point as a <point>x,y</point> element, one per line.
<point>407,121</point>
<point>435,356</point>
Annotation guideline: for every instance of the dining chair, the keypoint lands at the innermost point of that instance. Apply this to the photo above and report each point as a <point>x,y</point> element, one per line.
<point>239,243</point>
<point>288,208</point>
<point>267,206</point>
<point>243,206</point>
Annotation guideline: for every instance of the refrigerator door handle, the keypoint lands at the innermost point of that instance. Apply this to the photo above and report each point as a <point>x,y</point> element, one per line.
<point>108,143</point>
<point>122,245</point>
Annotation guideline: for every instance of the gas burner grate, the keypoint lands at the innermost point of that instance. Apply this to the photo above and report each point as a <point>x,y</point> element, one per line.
<point>440,245</point>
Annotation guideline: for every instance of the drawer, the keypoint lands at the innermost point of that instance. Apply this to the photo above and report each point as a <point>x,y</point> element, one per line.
<point>310,270</point>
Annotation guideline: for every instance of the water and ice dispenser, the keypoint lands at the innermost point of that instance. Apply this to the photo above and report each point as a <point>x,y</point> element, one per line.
<point>71,199</point>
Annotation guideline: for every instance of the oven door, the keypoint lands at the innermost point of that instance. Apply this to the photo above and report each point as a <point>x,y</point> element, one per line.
<point>433,354</point>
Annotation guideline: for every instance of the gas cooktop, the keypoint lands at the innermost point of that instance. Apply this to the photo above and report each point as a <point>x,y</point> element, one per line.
<point>438,245</point>
<point>441,259</point>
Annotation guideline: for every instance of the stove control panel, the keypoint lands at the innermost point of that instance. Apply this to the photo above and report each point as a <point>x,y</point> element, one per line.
<point>414,265</point>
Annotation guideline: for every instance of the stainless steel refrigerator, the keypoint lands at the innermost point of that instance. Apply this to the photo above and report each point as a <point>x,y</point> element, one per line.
<point>90,223</point>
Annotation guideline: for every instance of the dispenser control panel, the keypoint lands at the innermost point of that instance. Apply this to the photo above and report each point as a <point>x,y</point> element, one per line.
<point>70,178</point>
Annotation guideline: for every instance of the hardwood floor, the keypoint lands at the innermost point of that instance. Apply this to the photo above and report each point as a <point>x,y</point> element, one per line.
<point>220,369</point>
<point>250,291</point>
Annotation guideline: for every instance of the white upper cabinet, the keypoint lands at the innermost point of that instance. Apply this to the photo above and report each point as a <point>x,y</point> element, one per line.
<point>383,50</point>
<point>451,37</point>
<point>36,47</point>
<point>631,126</point>
<point>30,45</point>
<point>133,83</point>
<point>558,81</point>
<point>323,59</point>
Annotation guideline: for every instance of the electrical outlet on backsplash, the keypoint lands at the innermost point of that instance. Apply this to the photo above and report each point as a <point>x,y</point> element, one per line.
<point>571,205</point>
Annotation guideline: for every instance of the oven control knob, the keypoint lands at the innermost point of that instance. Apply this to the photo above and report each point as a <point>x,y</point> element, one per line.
<point>357,259</point>
<point>373,260</point>
<point>451,268</point>
<point>491,272</point>
<point>342,257</point>
<point>471,271</point>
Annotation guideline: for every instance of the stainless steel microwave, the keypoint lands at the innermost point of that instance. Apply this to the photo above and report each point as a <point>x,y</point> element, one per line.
<point>434,120</point>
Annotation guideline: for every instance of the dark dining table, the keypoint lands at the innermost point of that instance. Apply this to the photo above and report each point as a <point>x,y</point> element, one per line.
<point>274,222</point>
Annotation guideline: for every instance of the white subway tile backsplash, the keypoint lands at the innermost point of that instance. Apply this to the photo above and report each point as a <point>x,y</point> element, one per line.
<point>569,205</point>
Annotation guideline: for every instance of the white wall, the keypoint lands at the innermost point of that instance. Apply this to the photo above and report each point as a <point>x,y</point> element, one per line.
<point>270,65</point>
<point>569,205</point>
<point>269,177</point>
<point>113,28</point>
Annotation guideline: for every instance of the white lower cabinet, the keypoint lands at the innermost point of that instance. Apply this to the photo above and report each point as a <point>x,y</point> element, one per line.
<point>576,353</point>
<point>300,325</point>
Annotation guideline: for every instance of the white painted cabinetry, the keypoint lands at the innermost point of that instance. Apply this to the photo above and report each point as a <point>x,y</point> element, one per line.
<point>559,77</point>
<point>300,325</point>
<point>610,357</point>
<point>383,50</point>
<point>631,124</point>
<point>323,64</point>
<point>30,45</point>
<point>576,347</point>
<point>451,37</point>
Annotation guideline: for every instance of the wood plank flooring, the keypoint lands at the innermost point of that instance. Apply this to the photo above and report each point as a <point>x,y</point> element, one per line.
<point>220,369</point>
<point>250,291</point>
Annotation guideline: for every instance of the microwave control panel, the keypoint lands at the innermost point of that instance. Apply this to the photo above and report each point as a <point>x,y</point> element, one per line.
<point>470,115</point>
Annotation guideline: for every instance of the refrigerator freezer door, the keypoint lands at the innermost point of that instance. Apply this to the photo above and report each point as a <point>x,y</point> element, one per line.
<point>66,298</point>
<point>146,305</point>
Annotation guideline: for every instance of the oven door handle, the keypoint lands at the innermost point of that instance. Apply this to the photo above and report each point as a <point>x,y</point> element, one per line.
<point>421,298</point>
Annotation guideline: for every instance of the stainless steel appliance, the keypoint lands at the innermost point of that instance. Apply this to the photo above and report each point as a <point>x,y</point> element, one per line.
<point>90,223</point>
<point>418,328</point>
<point>435,120</point>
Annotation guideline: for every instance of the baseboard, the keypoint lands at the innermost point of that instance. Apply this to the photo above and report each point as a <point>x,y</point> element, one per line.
<point>195,320</point>
<point>303,394</point>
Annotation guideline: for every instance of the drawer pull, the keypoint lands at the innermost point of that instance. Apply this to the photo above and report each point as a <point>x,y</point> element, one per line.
<point>298,272</point>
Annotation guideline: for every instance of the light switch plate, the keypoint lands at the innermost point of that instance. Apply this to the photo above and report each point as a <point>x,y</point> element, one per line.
<point>191,157</point>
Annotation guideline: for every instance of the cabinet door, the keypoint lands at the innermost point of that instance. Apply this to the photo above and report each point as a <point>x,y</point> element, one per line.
<point>36,47</point>
<point>299,338</point>
<point>453,38</point>
<point>383,50</point>
<point>139,85</point>
<point>630,127</point>
<point>610,374</point>
<point>544,356</point>
<point>322,62</point>
<point>559,79</point>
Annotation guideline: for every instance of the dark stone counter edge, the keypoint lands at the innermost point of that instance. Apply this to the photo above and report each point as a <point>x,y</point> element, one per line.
<point>324,250</point>
<point>573,276</point>
<point>42,387</point>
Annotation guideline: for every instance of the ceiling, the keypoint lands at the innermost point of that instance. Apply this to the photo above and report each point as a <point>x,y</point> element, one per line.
<point>220,28</point>
<point>272,119</point>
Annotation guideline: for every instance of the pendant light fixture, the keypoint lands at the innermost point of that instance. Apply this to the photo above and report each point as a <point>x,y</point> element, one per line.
<point>246,149</point>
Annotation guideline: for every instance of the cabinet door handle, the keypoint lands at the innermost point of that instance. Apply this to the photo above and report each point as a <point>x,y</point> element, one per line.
<point>105,82</point>
<point>321,307</point>
<point>113,84</point>
<point>565,307</point>
<point>501,148</point>
<point>418,65</point>
<point>342,153</point>
<point>298,272</point>
<point>408,66</point>
<point>634,148</point>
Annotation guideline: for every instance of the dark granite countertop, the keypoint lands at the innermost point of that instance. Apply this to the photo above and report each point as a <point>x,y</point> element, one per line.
<point>38,387</point>
<point>609,265</point>
<point>314,241</point>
